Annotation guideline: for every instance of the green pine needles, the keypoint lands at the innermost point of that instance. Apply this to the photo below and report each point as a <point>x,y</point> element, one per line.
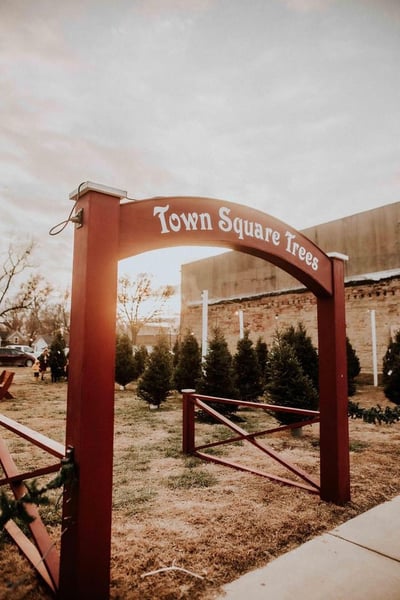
<point>156,381</point>
<point>288,384</point>
<point>15,508</point>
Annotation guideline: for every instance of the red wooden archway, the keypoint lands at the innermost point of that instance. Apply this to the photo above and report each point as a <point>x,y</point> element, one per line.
<point>109,229</point>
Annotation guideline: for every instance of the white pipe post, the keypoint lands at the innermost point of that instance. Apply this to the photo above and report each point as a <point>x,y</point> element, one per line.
<point>373,336</point>
<point>204,322</point>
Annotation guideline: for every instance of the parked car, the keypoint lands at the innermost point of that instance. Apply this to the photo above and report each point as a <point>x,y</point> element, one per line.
<point>21,348</point>
<point>16,358</point>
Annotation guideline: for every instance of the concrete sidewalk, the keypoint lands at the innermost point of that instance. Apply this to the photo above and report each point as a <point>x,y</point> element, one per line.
<point>359,560</point>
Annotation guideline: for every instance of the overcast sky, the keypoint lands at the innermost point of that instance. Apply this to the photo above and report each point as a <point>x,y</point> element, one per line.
<point>289,106</point>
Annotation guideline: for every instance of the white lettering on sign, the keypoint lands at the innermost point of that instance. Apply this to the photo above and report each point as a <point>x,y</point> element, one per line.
<point>189,221</point>
<point>245,228</point>
<point>297,250</point>
<point>242,228</point>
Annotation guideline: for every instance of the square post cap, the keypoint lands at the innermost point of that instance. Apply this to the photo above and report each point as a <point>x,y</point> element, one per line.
<point>88,186</point>
<point>338,255</point>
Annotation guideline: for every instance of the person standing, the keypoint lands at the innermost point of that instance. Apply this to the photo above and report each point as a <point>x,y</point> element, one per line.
<point>36,369</point>
<point>43,363</point>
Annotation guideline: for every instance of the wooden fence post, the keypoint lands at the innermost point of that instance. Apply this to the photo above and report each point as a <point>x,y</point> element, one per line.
<point>188,421</point>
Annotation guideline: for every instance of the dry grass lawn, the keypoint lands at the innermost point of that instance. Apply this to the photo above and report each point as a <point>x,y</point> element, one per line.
<point>171,510</point>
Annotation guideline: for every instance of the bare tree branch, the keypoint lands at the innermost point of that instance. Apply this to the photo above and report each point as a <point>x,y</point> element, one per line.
<point>15,262</point>
<point>139,303</point>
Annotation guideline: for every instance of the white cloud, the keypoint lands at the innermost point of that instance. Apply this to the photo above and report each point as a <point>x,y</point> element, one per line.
<point>290,106</point>
<point>307,5</point>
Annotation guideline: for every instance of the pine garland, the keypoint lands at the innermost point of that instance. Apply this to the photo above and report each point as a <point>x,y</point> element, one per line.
<point>15,509</point>
<point>375,414</point>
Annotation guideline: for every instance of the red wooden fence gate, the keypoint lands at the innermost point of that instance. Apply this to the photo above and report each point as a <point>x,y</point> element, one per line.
<point>109,227</point>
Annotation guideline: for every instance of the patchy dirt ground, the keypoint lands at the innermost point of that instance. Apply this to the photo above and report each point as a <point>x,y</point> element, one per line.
<point>212,522</point>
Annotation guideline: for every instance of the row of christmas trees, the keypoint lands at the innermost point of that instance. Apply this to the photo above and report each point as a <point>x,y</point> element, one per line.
<point>285,374</point>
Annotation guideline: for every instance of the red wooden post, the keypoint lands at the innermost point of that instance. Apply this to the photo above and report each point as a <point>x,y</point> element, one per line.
<point>334,427</point>
<point>86,523</point>
<point>105,234</point>
<point>187,421</point>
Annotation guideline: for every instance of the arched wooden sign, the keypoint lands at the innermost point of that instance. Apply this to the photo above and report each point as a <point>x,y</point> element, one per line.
<point>110,228</point>
<point>188,221</point>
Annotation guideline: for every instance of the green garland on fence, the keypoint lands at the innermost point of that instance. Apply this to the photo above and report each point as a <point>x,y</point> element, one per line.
<point>15,509</point>
<point>375,414</point>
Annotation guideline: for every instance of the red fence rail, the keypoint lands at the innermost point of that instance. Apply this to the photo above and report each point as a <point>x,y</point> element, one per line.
<point>42,554</point>
<point>193,401</point>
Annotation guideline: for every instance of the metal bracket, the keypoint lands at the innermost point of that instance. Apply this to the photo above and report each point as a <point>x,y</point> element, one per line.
<point>78,218</point>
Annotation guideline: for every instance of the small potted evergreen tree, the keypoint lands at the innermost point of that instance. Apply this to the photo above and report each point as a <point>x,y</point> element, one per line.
<point>305,351</point>
<point>218,376</point>
<point>156,381</point>
<point>288,385</point>
<point>140,358</point>
<point>188,366</point>
<point>247,370</point>
<point>125,369</point>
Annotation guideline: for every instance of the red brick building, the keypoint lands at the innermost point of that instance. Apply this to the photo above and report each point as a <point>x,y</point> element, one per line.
<point>269,298</point>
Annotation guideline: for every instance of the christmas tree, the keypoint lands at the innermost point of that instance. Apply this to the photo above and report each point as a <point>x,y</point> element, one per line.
<point>304,350</point>
<point>140,358</point>
<point>247,370</point>
<point>156,381</point>
<point>188,367</point>
<point>218,375</point>
<point>125,370</point>
<point>288,385</point>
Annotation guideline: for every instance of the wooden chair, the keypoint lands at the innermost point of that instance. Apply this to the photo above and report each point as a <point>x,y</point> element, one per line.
<point>6,379</point>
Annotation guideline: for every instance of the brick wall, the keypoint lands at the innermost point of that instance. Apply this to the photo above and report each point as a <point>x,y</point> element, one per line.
<point>270,298</point>
<point>263,315</point>
<point>370,239</point>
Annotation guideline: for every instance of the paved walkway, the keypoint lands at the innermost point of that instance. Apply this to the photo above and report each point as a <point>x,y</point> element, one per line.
<point>359,560</point>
